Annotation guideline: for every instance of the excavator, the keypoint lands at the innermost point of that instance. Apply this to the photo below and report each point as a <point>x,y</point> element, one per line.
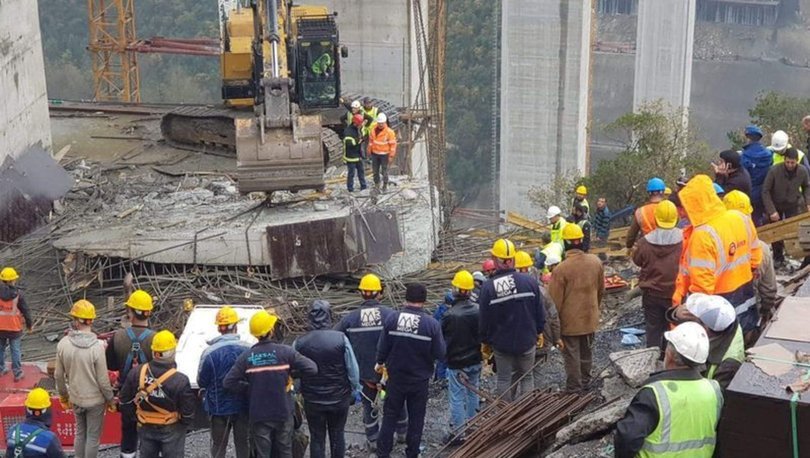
<point>283,62</point>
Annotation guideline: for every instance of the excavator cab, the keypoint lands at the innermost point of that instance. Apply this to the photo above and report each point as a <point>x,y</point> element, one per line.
<point>316,61</point>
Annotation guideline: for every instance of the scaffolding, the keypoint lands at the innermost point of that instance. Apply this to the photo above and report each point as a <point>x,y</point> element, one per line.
<point>115,67</point>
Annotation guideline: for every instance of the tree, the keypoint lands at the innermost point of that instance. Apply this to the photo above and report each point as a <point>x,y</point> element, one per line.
<point>774,111</point>
<point>559,192</point>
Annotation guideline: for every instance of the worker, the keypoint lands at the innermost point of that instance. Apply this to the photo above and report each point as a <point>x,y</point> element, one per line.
<point>601,221</point>
<point>581,198</point>
<point>557,223</point>
<point>523,262</point>
<point>552,340</point>
<point>730,174</point>
<point>667,192</point>
<point>576,288</point>
<point>370,113</point>
<point>354,109</point>
<point>324,65</point>
<point>227,411</point>
<point>658,254</point>
<point>580,218</point>
<point>363,327</point>
<point>780,142</point>
<point>511,322</point>
<point>382,147</point>
<point>129,347</point>
<point>676,412</point>
<point>644,218</point>
<point>460,331</point>
<point>264,373</point>
<point>353,153</point>
<point>489,268</point>
<point>164,402</point>
<point>479,279</point>
<point>785,193</point>
<point>14,316</point>
<point>411,341</point>
<point>81,378</point>
<point>549,249</point>
<point>722,252</point>
<point>33,438</point>
<point>327,395</point>
<point>757,160</point>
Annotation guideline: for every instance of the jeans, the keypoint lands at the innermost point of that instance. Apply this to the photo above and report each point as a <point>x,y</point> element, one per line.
<point>371,414</point>
<point>512,368</point>
<point>463,402</point>
<point>16,355</point>
<point>221,426</point>
<point>355,168</point>
<point>779,247</point>
<point>540,358</point>
<point>88,430</point>
<point>129,429</point>
<point>416,397</point>
<point>168,441</point>
<point>322,418</point>
<point>577,355</point>
<point>272,438</point>
<point>379,163</point>
<point>655,323</point>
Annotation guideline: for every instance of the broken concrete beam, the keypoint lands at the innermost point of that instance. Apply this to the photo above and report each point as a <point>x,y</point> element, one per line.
<point>615,387</point>
<point>635,366</point>
<point>593,423</point>
<point>596,448</point>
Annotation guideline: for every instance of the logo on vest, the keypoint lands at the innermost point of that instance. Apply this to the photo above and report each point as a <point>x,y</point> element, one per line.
<point>732,249</point>
<point>408,322</point>
<point>505,286</point>
<point>370,317</point>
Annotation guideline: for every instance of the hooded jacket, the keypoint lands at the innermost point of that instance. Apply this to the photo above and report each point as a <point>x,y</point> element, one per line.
<point>658,254</point>
<point>81,370</point>
<point>363,327</point>
<point>8,293</point>
<point>757,160</point>
<point>577,286</point>
<point>337,376</point>
<point>44,445</point>
<point>215,363</point>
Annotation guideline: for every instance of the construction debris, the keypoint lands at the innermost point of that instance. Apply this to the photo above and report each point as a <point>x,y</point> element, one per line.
<point>594,423</point>
<point>635,366</point>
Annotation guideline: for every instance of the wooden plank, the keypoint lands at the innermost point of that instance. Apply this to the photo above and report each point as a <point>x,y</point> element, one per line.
<point>781,230</point>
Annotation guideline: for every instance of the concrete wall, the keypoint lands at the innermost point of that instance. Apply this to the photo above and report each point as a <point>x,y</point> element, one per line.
<point>23,102</point>
<point>544,95</point>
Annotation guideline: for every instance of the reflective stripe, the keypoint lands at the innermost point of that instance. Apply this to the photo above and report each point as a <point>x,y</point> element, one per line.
<point>282,367</point>
<point>718,243</point>
<point>366,329</point>
<point>510,297</point>
<point>702,264</point>
<point>411,335</point>
<point>665,445</point>
<point>744,259</point>
<point>679,446</point>
<point>742,308</point>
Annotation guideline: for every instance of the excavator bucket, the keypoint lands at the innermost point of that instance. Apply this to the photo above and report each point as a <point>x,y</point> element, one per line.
<point>288,159</point>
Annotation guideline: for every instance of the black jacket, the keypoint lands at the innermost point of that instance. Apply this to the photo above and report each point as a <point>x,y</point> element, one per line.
<point>174,394</point>
<point>363,327</point>
<point>410,343</point>
<point>511,314</point>
<point>460,330</point>
<point>642,415</point>
<point>8,293</point>
<point>740,180</point>
<point>263,372</point>
<point>351,143</point>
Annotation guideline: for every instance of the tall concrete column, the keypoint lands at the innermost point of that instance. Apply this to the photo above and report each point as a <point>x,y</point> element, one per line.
<point>665,36</point>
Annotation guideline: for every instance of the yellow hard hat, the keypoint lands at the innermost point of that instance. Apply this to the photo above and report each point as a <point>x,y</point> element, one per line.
<point>38,399</point>
<point>523,260</point>
<point>8,274</point>
<point>582,190</point>
<point>262,323</point>
<point>738,200</point>
<point>666,215</point>
<point>140,300</point>
<point>227,316</point>
<point>164,341</point>
<point>83,310</point>
<point>503,249</point>
<point>572,231</point>
<point>370,282</point>
<point>667,191</point>
<point>463,280</point>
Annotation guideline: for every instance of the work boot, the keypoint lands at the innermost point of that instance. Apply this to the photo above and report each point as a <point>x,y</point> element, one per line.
<point>18,377</point>
<point>401,438</point>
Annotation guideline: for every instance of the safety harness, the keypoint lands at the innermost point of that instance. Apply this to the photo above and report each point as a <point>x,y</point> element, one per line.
<point>136,354</point>
<point>20,444</point>
<point>158,415</point>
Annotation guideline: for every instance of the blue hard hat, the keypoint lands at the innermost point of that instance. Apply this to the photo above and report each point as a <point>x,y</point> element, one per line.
<point>656,185</point>
<point>753,130</point>
<point>719,189</point>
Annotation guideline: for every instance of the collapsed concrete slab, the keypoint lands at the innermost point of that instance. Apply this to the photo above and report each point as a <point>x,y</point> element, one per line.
<point>593,423</point>
<point>635,366</point>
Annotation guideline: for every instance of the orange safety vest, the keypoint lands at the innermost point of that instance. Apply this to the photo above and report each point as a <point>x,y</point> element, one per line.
<point>10,317</point>
<point>682,279</point>
<point>383,141</point>
<point>645,216</point>
<point>154,415</point>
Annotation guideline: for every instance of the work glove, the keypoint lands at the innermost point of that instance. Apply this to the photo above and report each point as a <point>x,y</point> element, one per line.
<point>486,353</point>
<point>541,340</point>
<point>379,368</point>
<point>112,406</point>
<point>64,401</point>
<point>289,384</point>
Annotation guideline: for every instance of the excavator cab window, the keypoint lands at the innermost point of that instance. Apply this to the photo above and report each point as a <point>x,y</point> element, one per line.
<point>317,63</point>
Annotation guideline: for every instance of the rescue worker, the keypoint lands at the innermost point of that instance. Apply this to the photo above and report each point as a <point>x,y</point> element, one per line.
<point>460,331</point>
<point>658,254</point>
<point>479,279</point>
<point>511,322</point>
<point>370,113</point>
<point>557,223</point>
<point>353,110</point>
<point>81,378</point>
<point>601,220</point>
<point>722,252</point>
<point>129,347</point>
<point>780,142</point>
<point>353,153</point>
<point>730,174</point>
<point>577,286</point>
<point>549,249</point>
<point>410,343</point>
<point>580,218</point>
<point>265,373</point>
<point>785,193</point>
<point>644,218</point>
<point>164,402</point>
<point>552,340</point>
<point>757,160</point>
<point>382,146</point>
<point>523,262</point>
<point>489,268</point>
<point>327,395</point>
<point>676,411</point>
<point>227,411</point>
<point>14,316</point>
<point>33,438</point>
<point>581,198</point>
<point>363,327</point>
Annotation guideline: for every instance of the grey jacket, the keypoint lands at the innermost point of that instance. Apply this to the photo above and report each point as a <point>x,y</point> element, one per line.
<point>81,370</point>
<point>783,191</point>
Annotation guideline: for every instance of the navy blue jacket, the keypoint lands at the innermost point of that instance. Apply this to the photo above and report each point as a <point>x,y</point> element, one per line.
<point>46,444</point>
<point>511,312</point>
<point>215,363</point>
<point>262,372</point>
<point>363,327</point>
<point>757,160</point>
<point>410,343</point>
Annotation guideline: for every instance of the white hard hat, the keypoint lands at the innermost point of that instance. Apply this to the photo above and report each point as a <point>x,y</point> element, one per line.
<point>713,311</point>
<point>478,276</point>
<point>779,140</point>
<point>690,341</point>
<point>356,104</point>
<point>381,118</point>
<point>553,211</point>
<point>552,259</point>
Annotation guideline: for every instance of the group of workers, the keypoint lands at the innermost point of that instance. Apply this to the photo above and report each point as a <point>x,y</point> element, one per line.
<point>367,137</point>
